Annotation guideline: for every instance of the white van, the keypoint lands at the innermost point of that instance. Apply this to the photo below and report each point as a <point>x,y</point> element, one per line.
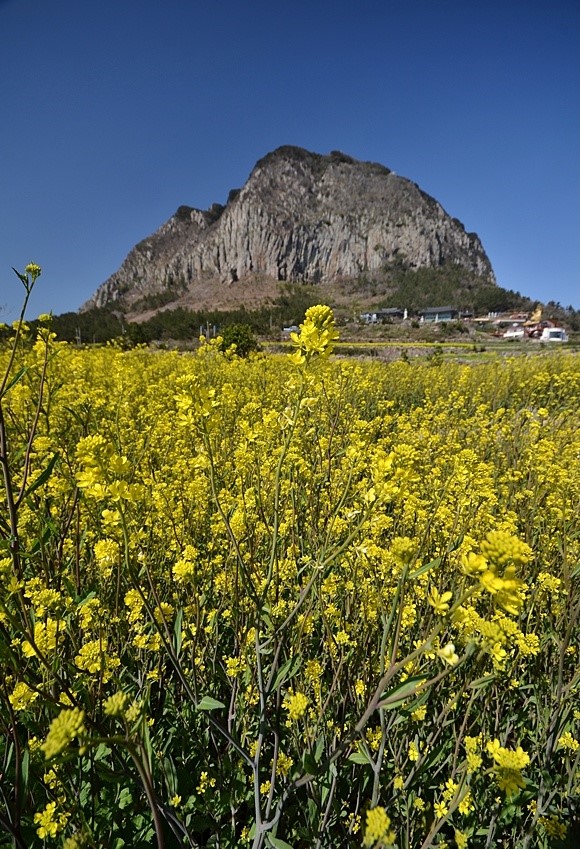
<point>554,334</point>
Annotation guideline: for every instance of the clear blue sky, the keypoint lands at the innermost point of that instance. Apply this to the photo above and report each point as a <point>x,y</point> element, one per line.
<point>113,113</point>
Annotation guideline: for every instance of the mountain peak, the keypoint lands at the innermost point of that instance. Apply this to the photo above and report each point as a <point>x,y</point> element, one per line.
<point>300,217</point>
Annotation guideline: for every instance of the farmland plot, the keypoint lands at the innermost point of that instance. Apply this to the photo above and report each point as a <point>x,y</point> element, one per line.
<point>288,601</point>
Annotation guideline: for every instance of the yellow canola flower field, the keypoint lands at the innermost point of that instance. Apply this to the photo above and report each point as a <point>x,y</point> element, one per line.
<point>288,601</point>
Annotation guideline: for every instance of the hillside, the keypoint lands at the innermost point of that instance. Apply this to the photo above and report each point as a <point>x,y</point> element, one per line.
<point>351,231</point>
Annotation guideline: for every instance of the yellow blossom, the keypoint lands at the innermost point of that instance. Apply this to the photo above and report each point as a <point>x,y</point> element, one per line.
<point>448,654</point>
<point>317,334</point>
<point>295,704</point>
<point>284,764</point>
<point>50,822</point>
<point>508,764</point>
<point>568,742</point>
<point>439,601</point>
<point>420,713</point>
<point>63,730</point>
<point>378,830</point>
<point>22,696</point>
<point>115,705</point>
<point>46,636</point>
<point>33,269</point>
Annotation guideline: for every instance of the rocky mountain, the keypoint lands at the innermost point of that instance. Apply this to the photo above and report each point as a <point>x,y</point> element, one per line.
<point>300,217</point>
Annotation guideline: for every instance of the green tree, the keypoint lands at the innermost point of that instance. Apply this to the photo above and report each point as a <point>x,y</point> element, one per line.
<point>240,335</point>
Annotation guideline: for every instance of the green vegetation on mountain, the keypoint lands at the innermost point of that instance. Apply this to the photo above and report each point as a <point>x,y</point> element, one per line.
<point>421,288</point>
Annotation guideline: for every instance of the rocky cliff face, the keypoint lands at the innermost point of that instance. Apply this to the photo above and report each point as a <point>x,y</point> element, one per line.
<point>300,217</point>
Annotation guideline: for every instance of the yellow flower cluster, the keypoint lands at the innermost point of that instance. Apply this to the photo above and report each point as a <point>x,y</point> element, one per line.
<point>317,335</point>
<point>472,749</point>
<point>93,657</point>
<point>50,821</point>
<point>22,696</point>
<point>553,827</point>
<point>206,782</point>
<point>568,742</point>
<point>296,539</point>
<point>295,704</point>
<point>508,765</point>
<point>47,635</point>
<point>63,730</point>
<point>115,705</point>
<point>33,269</point>
<point>378,832</point>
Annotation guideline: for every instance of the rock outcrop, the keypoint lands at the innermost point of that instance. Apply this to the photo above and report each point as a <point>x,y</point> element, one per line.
<point>301,216</point>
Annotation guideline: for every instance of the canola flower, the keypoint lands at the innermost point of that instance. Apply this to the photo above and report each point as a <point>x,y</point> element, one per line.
<point>115,705</point>
<point>378,830</point>
<point>448,654</point>
<point>440,602</point>
<point>33,270</point>
<point>22,696</point>
<point>317,335</point>
<point>295,704</point>
<point>67,726</point>
<point>50,821</point>
<point>255,545</point>
<point>508,766</point>
<point>568,742</point>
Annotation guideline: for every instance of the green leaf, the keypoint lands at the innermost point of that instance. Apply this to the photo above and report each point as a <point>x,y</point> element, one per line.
<point>319,748</point>
<point>287,671</point>
<point>434,757</point>
<point>23,278</point>
<point>277,843</point>
<point>43,477</point>
<point>107,775</point>
<point>17,377</point>
<point>86,598</point>
<point>480,683</point>
<point>455,544</point>
<point>207,703</point>
<point>402,692</point>
<point>426,567</point>
<point>359,758</point>
<point>125,798</point>
<point>147,745</point>
<point>177,629</point>
<point>24,770</point>
<point>417,703</point>
<point>85,794</point>
<point>49,530</point>
<point>171,774</point>
<point>101,752</point>
<point>327,784</point>
<point>309,764</point>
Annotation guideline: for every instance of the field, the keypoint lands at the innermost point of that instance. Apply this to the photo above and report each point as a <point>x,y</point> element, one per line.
<point>289,601</point>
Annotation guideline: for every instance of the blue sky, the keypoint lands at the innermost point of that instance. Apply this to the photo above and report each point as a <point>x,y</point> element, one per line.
<point>115,113</point>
